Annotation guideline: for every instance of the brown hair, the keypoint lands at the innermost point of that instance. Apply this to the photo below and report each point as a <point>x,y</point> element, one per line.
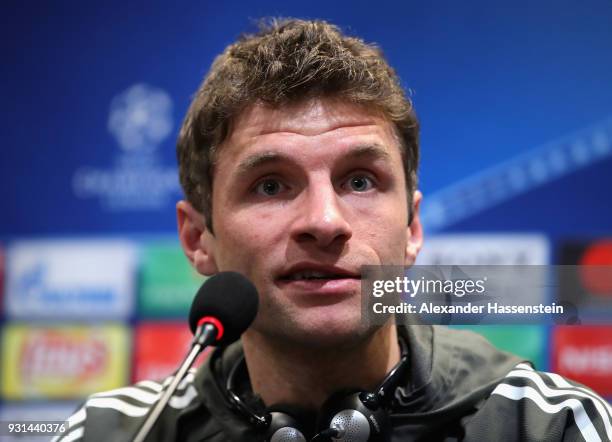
<point>287,61</point>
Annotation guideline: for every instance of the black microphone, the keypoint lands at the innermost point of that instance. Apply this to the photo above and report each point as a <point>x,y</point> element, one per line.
<point>228,301</point>
<point>224,307</point>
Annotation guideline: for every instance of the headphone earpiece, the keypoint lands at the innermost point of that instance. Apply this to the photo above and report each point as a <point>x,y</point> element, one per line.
<point>356,416</point>
<point>286,424</point>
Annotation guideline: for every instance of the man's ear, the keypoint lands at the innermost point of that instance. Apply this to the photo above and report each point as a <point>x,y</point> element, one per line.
<point>197,241</point>
<point>414,231</point>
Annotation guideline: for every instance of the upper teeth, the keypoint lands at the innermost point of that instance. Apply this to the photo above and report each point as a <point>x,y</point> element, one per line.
<point>308,274</point>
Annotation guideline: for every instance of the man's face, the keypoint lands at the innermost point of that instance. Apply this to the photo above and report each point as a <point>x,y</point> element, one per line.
<point>303,196</point>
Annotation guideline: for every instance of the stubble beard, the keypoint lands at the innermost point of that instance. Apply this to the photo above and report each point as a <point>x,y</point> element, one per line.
<point>281,328</point>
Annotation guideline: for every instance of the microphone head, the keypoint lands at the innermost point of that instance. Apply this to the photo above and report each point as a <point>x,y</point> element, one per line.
<point>230,298</point>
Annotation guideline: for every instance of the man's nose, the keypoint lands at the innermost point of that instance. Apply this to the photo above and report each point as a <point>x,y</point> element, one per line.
<point>321,219</point>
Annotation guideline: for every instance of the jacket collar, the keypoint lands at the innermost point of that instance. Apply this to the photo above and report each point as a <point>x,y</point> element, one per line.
<point>448,369</point>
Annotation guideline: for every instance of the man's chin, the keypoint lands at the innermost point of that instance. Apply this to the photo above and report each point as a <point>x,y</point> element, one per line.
<point>321,333</point>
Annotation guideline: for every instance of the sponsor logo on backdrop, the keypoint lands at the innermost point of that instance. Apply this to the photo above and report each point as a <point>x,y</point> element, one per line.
<point>70,279</point>
<point>597,255</point>
<point>595,360</point>
<point>51,354</point>
<point>159,347</point>
<point>584,354</point>
<point>2,276</point>
<point>590,286</point>
<point>62,362</point>
<point>168,283</point>
<point>485,249</point>
<point>140,120</point>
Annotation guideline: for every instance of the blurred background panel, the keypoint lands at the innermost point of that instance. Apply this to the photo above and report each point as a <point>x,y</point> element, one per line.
<point>70,279</point>
<point>585,354</point>
<point>515,104</point>
<point>63,362</point>
<point>157,348</point>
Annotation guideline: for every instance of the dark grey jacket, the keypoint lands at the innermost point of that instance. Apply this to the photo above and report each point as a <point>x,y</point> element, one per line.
<point>460,388</point>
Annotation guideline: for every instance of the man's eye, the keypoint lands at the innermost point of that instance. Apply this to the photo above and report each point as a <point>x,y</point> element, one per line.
<point>360,183</point>
<point>269,187</point>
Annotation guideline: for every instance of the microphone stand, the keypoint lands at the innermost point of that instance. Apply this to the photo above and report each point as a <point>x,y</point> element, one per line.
<point>205,335</point>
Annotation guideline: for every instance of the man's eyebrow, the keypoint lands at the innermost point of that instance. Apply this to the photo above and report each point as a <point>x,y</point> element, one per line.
<point>370,151</point>
<point>259,159</point>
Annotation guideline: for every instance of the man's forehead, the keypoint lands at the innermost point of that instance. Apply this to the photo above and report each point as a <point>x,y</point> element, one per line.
<point>311,117</point>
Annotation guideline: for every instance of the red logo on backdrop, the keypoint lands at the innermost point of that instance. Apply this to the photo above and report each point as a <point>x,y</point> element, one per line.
<point>596,273</point>
<point>159,349</point>
<point>58,356</point>
<point>584,354</point>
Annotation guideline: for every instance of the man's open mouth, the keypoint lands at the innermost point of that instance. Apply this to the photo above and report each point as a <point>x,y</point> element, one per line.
<point>308,275</point>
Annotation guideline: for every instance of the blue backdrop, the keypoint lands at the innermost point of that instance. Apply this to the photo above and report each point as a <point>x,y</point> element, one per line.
<point>490,81</point>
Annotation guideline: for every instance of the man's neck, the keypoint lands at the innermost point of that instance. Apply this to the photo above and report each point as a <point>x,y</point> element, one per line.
<point>288,374</point>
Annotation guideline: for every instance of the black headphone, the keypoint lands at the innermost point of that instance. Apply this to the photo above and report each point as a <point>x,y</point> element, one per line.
<point>356,416</point>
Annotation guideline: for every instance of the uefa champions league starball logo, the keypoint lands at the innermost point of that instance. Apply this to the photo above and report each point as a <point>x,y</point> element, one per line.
<point>140,118</point>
